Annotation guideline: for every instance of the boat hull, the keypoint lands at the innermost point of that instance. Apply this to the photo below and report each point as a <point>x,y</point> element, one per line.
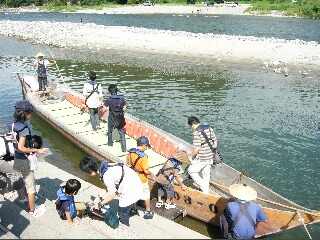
<point>64,115</point>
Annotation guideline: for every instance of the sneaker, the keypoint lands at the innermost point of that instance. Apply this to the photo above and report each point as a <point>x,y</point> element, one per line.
<point>25,199</point>
<point>169,205</point>
<point>148,214</point>
<point>134,211</point>
<point>38,211</point>
<point>159,204</point>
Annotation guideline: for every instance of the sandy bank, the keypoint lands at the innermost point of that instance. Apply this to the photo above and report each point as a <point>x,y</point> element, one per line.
<point>211,46</point>
<point>162,9</point>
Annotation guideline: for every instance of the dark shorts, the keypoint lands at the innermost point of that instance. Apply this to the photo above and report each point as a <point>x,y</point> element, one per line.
<point>165,188</point>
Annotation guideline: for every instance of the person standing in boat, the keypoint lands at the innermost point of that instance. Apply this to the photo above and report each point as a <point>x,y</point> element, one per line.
<point>41,64</point>
<point>202,156</point>
<point>92,91</point>
<point>24,148</point>
<point>137,159</point>
<point>116,104</point>
<point>241,216</point>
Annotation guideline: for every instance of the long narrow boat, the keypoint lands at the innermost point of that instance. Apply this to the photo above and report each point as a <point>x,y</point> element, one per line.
<point>61,109</point>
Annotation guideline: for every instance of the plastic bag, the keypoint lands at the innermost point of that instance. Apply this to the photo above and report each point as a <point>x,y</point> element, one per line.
<point>33,161</point>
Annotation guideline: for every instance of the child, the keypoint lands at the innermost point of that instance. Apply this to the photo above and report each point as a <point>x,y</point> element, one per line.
<point>66,207</point>
<point>169,171</point>
<point>137,159</point>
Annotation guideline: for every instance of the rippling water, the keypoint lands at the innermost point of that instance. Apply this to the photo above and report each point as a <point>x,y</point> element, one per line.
<point>267,124</point>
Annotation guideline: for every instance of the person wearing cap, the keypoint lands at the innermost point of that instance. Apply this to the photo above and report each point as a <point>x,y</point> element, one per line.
<point>137,159</point>
<point>7,171</point>
<point>24,147</point>
<point>241,216</point>
<point>121,183</point>
<point>92,91</point>
<point>116,105</point>
<point>169,172</point>
<point>41,64</point>
<point>202,155</point>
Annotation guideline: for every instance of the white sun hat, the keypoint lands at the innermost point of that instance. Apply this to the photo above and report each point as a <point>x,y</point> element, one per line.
<point>40,54</point>
<point>243,192</point>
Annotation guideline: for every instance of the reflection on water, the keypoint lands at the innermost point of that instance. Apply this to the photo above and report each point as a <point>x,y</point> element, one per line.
<point>267,125</point>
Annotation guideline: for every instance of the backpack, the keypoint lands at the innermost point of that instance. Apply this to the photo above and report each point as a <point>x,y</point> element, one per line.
<point>42,72</point>
<point>6,147</point>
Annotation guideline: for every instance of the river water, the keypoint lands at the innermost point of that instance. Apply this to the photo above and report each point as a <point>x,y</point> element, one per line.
<point>267,124</point>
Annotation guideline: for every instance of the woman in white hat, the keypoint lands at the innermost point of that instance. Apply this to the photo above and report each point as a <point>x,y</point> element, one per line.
<point>241,216</point>
<point>41,64</point>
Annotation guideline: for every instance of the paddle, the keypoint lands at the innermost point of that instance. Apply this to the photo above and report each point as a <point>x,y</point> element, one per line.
<point>271,202</point>
<point>60,75</point>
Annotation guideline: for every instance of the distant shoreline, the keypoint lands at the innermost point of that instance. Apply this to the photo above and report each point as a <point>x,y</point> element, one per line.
<point>160,9</point>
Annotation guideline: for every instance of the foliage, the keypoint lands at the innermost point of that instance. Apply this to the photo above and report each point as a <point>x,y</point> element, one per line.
<point>301,8</point>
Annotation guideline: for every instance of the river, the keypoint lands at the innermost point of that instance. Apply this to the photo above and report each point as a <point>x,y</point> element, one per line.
<point>267,124</point>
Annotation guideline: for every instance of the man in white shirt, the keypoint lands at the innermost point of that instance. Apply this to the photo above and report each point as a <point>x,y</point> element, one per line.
<point>92,91</point>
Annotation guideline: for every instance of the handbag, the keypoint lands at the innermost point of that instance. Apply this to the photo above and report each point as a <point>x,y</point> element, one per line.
<point>217,159</point>
<point>109,214</point>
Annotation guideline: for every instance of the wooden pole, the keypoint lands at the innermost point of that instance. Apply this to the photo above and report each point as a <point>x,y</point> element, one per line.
<point>271,202</point>
<point>60,75</point>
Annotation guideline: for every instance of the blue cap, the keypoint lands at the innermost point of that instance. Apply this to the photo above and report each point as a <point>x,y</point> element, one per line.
<point>143,140</point>
<point>24,105</point>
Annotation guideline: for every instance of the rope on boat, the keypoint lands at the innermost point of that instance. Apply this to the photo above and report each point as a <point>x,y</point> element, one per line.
<point>271,202</point>
<point>305,227</point>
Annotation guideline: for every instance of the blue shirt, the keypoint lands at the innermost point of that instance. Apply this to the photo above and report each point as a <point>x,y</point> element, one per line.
<point>244,229</point>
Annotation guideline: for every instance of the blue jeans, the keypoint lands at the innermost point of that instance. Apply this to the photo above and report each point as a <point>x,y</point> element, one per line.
<point>111,123</point>
<point>94,118</point>
<point>124,214</point>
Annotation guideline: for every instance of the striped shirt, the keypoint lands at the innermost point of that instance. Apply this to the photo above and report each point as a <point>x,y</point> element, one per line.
<point>205,153</point>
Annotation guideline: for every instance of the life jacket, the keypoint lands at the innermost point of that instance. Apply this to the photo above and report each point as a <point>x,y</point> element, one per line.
<point>17,128</point>
<point>140,155</point>
<point>62,197</point>
<point>201,129</point>
<point>105,166</point>
<point>42,72</point>
<point>163,169</point>
<point>6,147</point>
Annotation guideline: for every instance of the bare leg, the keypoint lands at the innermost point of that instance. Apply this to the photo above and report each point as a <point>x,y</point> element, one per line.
<point>31,202</point>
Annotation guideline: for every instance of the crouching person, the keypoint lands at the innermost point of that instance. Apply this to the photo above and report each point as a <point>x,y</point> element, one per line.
<point>123,186</point>
<point>169,172</point>
<point>67,208</point>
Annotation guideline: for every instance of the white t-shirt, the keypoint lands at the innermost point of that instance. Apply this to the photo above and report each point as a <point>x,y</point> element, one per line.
<point>130,189</point>
<point>94,100</point>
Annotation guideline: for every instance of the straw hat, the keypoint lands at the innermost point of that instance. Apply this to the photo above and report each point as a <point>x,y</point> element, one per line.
<point>243,192</point>
<point>40,54</point>
<point>182,157</point>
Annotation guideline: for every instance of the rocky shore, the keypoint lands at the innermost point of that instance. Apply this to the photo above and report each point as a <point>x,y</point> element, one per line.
<point>215,47</point>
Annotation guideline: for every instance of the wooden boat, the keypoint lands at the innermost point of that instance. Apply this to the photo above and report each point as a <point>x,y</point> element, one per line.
<point>61,109</point>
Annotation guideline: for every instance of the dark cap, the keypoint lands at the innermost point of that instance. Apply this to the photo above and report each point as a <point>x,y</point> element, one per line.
<point>24,106</point>
<point>143,140</point>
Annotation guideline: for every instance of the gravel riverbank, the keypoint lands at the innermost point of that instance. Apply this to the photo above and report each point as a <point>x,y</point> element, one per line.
<point>217,48</point>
